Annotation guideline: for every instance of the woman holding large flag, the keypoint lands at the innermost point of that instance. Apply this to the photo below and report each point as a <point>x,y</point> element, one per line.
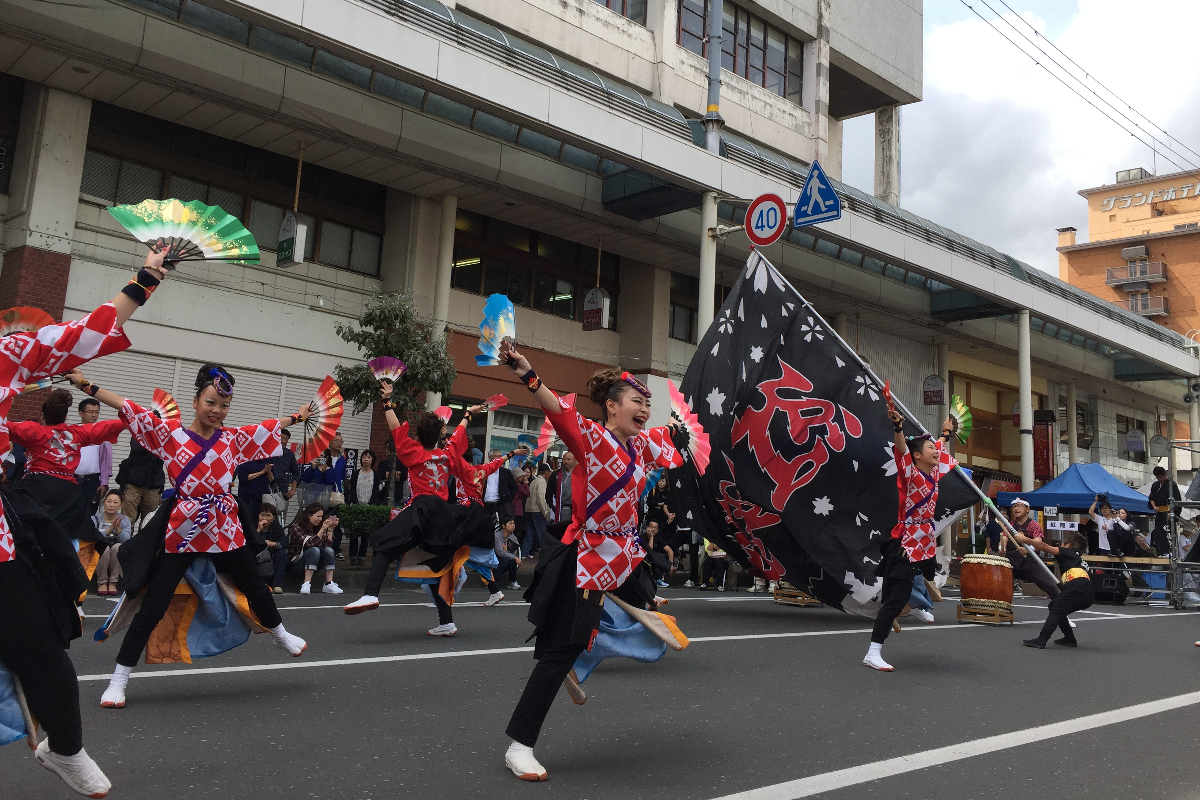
<point>601,545</point>
<point>40,575</point>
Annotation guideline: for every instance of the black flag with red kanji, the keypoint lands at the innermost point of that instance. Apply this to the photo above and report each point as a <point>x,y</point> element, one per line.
<point>802,481</point>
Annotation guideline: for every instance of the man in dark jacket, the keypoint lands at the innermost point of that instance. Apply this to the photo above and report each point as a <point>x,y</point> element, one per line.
<point>285,476</point>
<point>1162,492</point>
<point>141,478</point>
<point>500,489</point>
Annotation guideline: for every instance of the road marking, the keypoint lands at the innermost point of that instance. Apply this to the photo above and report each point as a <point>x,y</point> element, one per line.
<point>344,662</point>
<point>865,773</point>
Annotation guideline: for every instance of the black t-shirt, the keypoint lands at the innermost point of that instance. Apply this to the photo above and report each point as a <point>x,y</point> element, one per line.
<point>1068,559</point>
<point>992,531</point>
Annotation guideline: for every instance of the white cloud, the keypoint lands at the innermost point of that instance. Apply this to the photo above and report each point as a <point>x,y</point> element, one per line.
<point>998,148</point>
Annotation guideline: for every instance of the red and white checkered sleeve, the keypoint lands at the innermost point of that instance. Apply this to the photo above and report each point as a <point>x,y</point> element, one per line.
<point>570,427</point>
<point>257,441</point>
<point>56,349</point>
<point>657,448</point>
<point>152,433</point>
<point>946,462</point>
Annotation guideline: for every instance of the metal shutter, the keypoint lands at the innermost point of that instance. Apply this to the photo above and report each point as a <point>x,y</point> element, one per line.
<point>258,395</point>
<point>905,363</point>
<point>129,374</point>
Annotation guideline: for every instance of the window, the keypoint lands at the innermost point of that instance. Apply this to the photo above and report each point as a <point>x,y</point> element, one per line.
<point>683,323</point>
<point>342,69</point>
<point>218,22</point>
<point>533,269</point>
<point>685,299</point>
<point>282,47</point>
<point>632,9</point>
<point>763,55</point>
<point>335,244</point>
<point>1136,452</point>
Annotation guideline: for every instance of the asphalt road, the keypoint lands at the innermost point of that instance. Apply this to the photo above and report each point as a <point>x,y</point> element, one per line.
<point>765,695</point>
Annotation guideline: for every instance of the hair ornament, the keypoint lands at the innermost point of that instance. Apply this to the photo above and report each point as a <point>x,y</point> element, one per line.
<point>221,382</point>
<point>636,384</point>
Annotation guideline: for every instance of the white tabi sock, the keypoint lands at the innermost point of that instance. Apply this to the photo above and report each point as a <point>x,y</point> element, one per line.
<point>120,676</point>
<point>876,649</point>
<point>278,631</point>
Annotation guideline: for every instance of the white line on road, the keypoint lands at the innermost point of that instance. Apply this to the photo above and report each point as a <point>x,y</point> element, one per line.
<point>343,662</point>
<point>865,773</point>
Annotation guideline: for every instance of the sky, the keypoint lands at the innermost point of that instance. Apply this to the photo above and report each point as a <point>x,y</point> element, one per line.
<point>997,149</point>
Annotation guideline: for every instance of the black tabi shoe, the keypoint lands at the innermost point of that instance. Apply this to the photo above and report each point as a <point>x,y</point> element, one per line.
<point>1034,643</point>
<point>1065,642</point>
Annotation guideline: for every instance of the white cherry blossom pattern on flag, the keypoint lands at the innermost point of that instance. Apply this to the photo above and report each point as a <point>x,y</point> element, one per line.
<point>756,354</point>
<point>865,385</point>
<point>822,506</point>
<point>812,329</point>
<point>716,401</point>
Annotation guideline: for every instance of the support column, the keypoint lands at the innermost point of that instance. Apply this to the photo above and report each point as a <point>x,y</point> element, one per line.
<point>1072,423</point>
<point>1025,398</point>
<point>1194,428</point>
<point>943,360</point>
<point>47,170</point>
<point>841,325</point>
<point>1172,462</point>
<point>887,154</point>
<point>441,292</point>
<point>815,87</point>
<point>708,265</point>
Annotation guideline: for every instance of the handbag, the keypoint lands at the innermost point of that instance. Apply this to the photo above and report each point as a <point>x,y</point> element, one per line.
<point>264,563</point>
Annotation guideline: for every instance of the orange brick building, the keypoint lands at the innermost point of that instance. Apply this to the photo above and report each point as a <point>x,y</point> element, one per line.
<point>1144,250</point>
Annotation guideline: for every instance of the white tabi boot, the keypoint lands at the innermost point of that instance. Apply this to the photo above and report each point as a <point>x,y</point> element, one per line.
<point>368,602</point>
<point>521,762</point>
<point>114,695</point>
<point>874,658</point>
<point>77,771</point>
<point>294,645</point>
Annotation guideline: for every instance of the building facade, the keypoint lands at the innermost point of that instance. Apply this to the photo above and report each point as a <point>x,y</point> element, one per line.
<point>537,148</point>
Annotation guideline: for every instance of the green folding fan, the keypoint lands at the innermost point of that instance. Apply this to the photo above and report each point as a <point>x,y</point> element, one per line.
<point>961,415</point>
<point>189,231</point>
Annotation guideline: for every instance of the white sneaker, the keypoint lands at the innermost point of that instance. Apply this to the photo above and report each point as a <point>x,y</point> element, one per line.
<point>114,696</point>
<point>771,586</point>
<point>78,771</point>
<point>368,602</point>
<point>521,762</point>
<point>514,586</point>
<point>721,588</point>
<point>494,598</point>
<point>290,642</point>
<point>449,629</point>
<point>877,662</point>
<point>331,588</point>
<point>688,585</point>
<point>306,588</point>
<point>923,615</point>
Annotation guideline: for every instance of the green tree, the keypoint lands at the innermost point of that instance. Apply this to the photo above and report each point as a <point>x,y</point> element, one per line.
<point>391,326</point>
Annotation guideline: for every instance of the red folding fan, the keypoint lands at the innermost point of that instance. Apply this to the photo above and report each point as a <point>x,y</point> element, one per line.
<point>322,426</point>
<point>546,435</point>
<point>495,401</point>
<point>23,319</point>
<point>445,412</point>
<point>698,447</point>
<point>164,405</point>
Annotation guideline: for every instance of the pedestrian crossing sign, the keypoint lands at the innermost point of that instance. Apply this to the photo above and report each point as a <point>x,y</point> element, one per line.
<point>818,201</point>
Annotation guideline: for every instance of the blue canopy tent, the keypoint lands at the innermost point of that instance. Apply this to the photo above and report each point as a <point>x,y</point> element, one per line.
<point>1076,489</point>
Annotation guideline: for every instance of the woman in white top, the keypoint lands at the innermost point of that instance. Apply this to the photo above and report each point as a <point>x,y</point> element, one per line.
<point>363,487</point>
<point>1105,521</point>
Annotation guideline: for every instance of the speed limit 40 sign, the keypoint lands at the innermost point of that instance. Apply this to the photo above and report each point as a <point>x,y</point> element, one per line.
<point>766,219</point>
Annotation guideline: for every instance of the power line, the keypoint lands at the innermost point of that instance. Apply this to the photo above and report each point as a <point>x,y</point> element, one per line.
<point>1192,169</point>
<point>1099,83</point>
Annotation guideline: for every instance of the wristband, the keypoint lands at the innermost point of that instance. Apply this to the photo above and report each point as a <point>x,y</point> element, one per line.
<point>899,426</point>
<point>147,279</point>
<point>90,388</point>
<point>531,380</point>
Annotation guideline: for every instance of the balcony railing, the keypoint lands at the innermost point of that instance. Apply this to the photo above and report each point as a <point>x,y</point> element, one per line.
<point>1140,272</point>
<point>1145,306</point>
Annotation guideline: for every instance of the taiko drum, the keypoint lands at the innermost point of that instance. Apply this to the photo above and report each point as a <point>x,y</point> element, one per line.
<point>986,582</point>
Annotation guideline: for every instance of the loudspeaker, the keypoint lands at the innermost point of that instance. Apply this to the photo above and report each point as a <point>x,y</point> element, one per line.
<point>1109,586</point>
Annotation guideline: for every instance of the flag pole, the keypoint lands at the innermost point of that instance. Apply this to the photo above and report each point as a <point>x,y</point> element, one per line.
<point>987,501</point>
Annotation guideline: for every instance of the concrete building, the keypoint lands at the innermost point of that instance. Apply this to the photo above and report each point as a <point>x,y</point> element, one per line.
<point>1142,255</point>
<point>532,147</point>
